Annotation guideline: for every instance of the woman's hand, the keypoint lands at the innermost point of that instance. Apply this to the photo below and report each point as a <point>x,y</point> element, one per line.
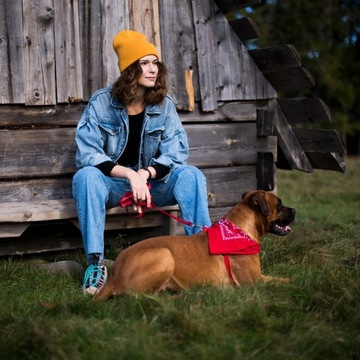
<point>140,190</point>
<point>138,184</point>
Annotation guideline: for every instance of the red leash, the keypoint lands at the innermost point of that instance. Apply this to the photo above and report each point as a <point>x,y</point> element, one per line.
<point>128,200</point>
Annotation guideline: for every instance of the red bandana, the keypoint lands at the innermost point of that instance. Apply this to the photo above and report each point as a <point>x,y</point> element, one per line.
<point>225,238</point>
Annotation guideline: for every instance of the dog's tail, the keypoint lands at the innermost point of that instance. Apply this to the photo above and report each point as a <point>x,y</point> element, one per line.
<point>106,292</point>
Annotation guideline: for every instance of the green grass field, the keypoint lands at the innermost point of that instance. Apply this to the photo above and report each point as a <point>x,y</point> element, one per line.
<point>315,316</point>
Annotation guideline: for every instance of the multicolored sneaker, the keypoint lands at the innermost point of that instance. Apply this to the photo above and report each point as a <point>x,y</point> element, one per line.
<point>94,279</point>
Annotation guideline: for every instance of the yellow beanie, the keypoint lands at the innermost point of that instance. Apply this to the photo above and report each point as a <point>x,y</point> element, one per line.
<point>131,46</point>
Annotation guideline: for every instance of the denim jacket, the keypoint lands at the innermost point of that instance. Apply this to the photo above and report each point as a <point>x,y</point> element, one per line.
<point>103,129</point>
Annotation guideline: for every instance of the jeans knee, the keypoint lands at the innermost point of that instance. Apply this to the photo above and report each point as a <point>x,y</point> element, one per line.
<point>85,177</point>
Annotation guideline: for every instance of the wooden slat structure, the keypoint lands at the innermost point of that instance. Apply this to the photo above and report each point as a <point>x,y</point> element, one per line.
<point>55,54</point>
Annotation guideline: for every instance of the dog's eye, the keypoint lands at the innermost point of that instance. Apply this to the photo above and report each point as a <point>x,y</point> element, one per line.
<point>279,204</point>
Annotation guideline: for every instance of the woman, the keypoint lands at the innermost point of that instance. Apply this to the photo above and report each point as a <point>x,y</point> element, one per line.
<point>130,134</point>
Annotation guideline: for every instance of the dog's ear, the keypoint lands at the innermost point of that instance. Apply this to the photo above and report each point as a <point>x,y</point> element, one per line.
<point>244,194</point>
<point>258,200</point>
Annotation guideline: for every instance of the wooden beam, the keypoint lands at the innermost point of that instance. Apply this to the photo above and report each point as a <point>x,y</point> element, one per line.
<point>227,144</point>
<point>245,28</point>
<point>305,110</point>
<point>291,79</point>
<point>327,161</point>
<point>290,144</point>
<point>265,122</point>
<point>276,58</point>
<point>227,6</point>
<point>320,140</point>
<point>265,171</point>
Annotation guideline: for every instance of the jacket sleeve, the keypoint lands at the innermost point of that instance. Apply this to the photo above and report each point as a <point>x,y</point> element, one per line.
<point>89,141</point>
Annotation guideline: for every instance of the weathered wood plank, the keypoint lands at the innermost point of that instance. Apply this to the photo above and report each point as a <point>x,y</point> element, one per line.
<point>327,161</point>
<point>40,190</point>
<point>69,115</point>
<point>203,13</point>
<point>238,77</point>
<point>67,51</point>
<point>51,152</point>
<point>228,6</point>
<point>39,61</point>
<point>289,143</point>
<point>265,122</point>
<point>245,28</point>
<point>114,18</point>
<point>320,140</point>
<point>265,170</point>
<point>58,209</point>
<point>91,46</point>
<point>37,153</point>
<point>40,116</point>
<point>145,18</point>
<point>227,144</point>
<point>225,185</point>
<point>277,58</point>
<point>176,15</point>
<point>12,230</point>
<point>305,110</point>
<point>11,53</point>
<point>291,80</point>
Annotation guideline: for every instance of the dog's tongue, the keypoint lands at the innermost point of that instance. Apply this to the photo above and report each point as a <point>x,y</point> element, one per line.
<point>287,228</point>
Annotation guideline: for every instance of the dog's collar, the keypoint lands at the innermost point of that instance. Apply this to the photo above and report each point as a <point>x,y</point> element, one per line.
<point>225,238</point>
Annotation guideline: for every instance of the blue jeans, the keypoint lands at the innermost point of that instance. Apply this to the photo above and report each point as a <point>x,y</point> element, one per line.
<point>94,193</point>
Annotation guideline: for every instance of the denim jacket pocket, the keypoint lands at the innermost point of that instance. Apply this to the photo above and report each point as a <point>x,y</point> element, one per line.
<point>111,135</point>
<point>152,141</point>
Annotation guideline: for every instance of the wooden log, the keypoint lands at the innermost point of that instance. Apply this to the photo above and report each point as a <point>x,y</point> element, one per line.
<point>305,110</point>
<point>245,28</point>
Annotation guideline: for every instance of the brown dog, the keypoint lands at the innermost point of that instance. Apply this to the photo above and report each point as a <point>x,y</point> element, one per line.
<point>178,262</point>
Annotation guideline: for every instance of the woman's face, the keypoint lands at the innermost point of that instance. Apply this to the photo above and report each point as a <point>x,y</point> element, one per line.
<point>150,71</point>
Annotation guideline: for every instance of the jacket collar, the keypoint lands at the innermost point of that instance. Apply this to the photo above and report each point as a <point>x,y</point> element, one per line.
<point>150,109</point>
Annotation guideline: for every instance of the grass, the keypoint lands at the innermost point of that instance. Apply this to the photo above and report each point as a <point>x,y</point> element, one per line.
<point>315,316</point>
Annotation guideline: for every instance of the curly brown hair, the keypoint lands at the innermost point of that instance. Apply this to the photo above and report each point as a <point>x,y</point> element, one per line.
<point>125,86</point>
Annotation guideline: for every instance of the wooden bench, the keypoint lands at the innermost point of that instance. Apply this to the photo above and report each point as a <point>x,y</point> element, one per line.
<point>15,217</point>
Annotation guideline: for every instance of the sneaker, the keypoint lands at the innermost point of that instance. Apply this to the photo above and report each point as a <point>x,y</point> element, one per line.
<point>94,279</point>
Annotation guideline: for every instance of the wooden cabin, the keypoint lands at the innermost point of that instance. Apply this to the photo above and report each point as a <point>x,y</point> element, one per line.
<point>55,54</point>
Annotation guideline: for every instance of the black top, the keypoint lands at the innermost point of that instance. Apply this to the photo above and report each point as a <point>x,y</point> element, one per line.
<point>130,155</point>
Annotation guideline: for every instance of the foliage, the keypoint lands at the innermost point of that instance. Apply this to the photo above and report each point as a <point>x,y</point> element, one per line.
<point>327,38</point>
<point>315,316</point>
